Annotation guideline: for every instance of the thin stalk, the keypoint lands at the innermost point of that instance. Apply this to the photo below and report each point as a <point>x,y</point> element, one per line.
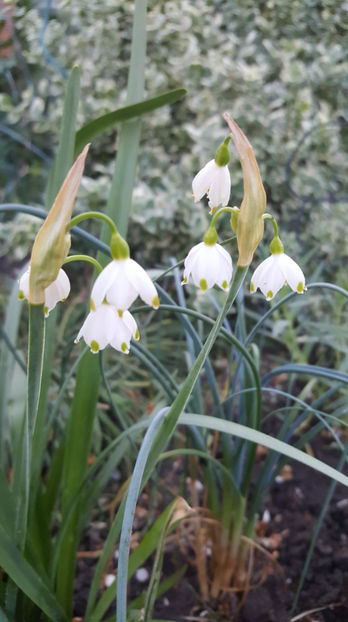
<point>21,484</point>
<point>156,439</point>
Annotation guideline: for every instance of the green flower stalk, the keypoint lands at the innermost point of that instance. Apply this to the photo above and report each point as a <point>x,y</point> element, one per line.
<point>250,225</point>
<point>53,240</point>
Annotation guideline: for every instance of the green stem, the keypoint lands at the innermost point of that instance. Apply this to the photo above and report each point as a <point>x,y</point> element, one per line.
<point>80,217</point>
<point>165,425</point>
<point>22,467</point>
<point>86,258</point>
<point>274,223</point>
<point>231,210</point>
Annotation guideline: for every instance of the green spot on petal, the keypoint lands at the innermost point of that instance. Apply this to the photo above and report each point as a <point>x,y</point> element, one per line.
<point>155,302</point>
<point>124,348</point>
<point>184,281</point>
<point>120,312</point>
<point>137,335</point>
<point>21,295</point>
<point>252,287</point>
<point>203,284</point>
<point>46,311</point>
<point>300,288</point>
<point>269,295</point>
<point>92,305</point>
<point>225,285</point>
<point>94,346</point>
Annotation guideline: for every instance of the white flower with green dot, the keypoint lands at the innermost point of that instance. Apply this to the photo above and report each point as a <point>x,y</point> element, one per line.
<point>214,179</point>
<point>105,326</point>
<point>123,279</point>
<point>208,263</point>
<point>57,291</point>
<point>277,270</point>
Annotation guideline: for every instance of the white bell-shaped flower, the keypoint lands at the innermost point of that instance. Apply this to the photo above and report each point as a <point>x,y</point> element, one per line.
<point>106,326</point>
<point>208,265</point>
<point>121,281</point>
<point>275,272</point>
<point>57,291</point>
<point>214,181</point>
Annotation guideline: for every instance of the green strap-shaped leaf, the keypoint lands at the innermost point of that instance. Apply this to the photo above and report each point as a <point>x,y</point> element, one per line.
<point>105,121</point>
<point>229,427</point>
<point>27,579</point>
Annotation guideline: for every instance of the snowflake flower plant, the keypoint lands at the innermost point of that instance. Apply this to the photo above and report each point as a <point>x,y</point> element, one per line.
<point>214,179</point>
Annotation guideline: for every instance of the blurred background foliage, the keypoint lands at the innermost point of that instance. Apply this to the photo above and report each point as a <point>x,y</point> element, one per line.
<point>279,68</point>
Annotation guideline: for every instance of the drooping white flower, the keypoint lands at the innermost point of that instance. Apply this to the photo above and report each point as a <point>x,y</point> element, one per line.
<point>214,181</point>
<point>275,272</point>
<point>208,265</point>
<point>106,326</point>
<point>57,291</point>
<point>121,281</point>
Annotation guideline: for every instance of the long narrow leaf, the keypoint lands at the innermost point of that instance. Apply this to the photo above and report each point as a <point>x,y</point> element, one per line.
<point>229,427</point>
<point>27,579</point>
<point>88,131</point>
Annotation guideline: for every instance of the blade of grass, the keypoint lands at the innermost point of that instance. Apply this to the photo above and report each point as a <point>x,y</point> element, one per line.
<point>77,448</point>
<point>65,152</point>
<point>229,427</point>
<point>119,201</point>
<point>27,579</point>
<point>88,131</point>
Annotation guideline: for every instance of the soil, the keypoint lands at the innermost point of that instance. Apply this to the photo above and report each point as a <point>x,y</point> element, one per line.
<point>291,510</point>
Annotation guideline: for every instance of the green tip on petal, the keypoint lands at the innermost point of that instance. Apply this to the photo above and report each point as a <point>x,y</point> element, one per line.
<point>94,347</point>
<point>252,287</point>
<point>155,302</point>
<point>46,311</point>
<point>269,295</point>
<point>91,305</point>
<point>184,281</point>
<point>120,312</point>
<point>203,285</point>
<point>137,335</point>
<point>300,288</point>
<point>225,285</point>
<point>124,348</point>
<point>21,295</point>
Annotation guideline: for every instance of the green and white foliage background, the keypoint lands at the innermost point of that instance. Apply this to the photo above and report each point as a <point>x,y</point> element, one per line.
<point>278,67</point>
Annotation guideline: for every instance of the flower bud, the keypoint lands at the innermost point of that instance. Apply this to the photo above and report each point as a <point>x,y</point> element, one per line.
<point>52,242</point>
<point>250,223</point>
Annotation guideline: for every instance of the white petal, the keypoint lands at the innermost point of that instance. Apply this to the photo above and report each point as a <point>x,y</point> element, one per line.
<point>57,291</point>
<point>268,276</point>
<point>23,284</point>
<point>122,292</point>
<point>203,180</point>
<point>104,281</point>
<point>99,327</point>
<point>141,281</point>
<point>220,188</point>
<point>122,337</point>
<point>131,324</point>
<point>292,273</point>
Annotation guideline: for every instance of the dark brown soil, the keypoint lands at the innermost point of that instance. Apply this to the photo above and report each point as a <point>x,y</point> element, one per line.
<point>294,504</point>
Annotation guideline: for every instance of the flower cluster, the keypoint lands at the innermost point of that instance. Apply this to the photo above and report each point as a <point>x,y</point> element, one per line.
<point>208,263</point>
